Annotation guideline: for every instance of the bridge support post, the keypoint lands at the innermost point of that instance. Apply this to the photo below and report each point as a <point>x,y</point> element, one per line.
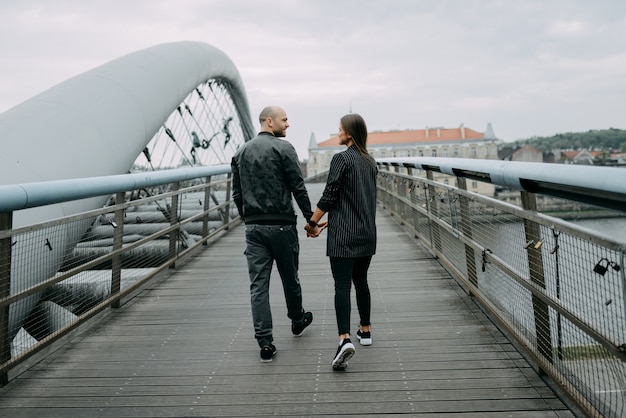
<point>466,229</point>
<point>173,212</point>
<point>381,191</point>
<point>6,224</point>
<point>388,193</point>
<point>434,211</point>
<point>229,186</point>
<point>207,205</point>
<point>413,199</point>
<point>397,191</point>
<point>535,267</point>
<point>118,238</point>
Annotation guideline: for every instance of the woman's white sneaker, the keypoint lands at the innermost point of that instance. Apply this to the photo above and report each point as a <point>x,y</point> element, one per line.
<point>365,338</point>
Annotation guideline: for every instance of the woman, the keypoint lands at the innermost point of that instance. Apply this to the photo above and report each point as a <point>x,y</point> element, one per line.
<point>350,200</point>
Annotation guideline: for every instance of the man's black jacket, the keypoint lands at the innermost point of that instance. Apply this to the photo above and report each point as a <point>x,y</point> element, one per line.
<point>266,174</point>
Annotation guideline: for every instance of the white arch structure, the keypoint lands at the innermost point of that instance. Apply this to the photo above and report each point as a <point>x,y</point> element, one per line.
<point>96,124</point>
<point>49,136</point>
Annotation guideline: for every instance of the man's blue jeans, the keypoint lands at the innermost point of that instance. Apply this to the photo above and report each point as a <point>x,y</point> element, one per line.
<point>264,245</point>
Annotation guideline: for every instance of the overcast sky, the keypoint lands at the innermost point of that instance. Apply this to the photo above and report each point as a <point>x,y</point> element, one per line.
<point>529,67</point>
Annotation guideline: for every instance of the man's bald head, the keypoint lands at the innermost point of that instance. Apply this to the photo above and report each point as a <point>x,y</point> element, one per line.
<point>274,120</point>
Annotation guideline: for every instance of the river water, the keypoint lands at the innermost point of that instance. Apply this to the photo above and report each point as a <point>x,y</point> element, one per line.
<point>612,227</point>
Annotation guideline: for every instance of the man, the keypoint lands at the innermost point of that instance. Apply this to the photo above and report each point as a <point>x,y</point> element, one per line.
<point>266,174</point>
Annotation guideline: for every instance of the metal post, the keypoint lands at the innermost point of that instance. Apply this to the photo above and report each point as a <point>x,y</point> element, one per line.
<point>413,199</point>
<point>432,207</point>
<point>229,185</point>
<point>466,229</point>
<point>6,224</point>
<point>559,330</point>
<point>623,277</point>
<point>397,193</point>
<point>173,221</point>
<point>207,205</point>
<point>116,261</point>
<point>535,266</point>
<point>383,186</point>
<point>389,188</point>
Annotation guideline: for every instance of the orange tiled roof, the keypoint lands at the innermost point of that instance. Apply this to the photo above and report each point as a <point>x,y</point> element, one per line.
<point>413,136</point>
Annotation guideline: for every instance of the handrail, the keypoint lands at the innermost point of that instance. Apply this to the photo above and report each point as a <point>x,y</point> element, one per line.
<point>30,195</point>
<point>601,186</point>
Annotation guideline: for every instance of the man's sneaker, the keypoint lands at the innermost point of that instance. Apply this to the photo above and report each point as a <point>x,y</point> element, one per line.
<point>365,338</point>
<point>297,328</point>
<point>345,351</point>
<point>267,353</point>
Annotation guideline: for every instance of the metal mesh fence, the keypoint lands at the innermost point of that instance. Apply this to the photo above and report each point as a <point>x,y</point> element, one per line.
<point>557,288</point>
<point>59,273</point>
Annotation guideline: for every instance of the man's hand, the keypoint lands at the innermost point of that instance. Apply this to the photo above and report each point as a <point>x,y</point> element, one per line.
<point>312,231</point>
<point>315,231</point>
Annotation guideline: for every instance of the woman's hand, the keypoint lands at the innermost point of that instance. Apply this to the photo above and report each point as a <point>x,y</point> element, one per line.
<point>315,231</point>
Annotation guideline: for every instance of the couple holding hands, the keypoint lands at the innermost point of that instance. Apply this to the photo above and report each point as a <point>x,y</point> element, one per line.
<point>266,175</point>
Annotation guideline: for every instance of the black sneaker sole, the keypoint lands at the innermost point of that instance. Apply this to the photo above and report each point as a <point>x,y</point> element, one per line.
<point>340,362</point>
<point>301,333</point>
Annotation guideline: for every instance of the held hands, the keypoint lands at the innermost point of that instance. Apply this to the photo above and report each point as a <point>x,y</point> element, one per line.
<point>315,231</point>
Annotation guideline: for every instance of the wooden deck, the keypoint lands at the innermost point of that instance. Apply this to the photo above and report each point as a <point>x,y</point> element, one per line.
<point>185,347</point>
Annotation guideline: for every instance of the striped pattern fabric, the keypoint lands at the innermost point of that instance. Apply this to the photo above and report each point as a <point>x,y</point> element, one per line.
<point>349,198</point>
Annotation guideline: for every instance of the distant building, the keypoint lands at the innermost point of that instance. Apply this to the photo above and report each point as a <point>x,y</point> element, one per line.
<point>617,159</point>
<point>613,158</point>
<point>458,142</point>
<point>525,153</point>
<point>580,157</point>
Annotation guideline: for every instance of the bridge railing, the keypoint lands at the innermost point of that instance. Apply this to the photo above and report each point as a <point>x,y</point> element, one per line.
<point>558,289</point>
<point>88,262</point>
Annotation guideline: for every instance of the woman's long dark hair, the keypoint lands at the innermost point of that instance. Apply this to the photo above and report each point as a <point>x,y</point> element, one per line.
<point>354,125</point>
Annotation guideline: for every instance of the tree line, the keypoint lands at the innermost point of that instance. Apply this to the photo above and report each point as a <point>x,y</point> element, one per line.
<point>611,139</point>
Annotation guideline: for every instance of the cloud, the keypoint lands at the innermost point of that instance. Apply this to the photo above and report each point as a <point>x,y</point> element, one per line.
<point>530,68</point>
